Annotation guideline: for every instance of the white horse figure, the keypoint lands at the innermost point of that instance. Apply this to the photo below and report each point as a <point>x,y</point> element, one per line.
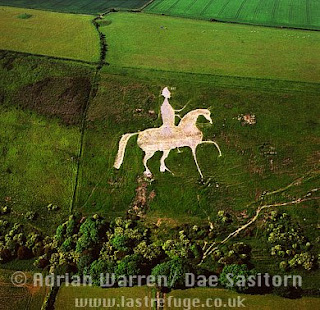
<point>155,139</point>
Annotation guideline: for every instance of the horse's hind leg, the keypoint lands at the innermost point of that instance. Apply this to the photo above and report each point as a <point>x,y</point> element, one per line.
<point>147,156</point>
<point>163,166</point>
<point>196,161</point>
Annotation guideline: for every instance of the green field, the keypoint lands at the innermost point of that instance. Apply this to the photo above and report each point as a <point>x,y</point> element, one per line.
<point>183,45</point>
<point>294,13</point>
<point>286,120</point>
<point>251,302</point>
<point>41,107</point>
<point>76,6</point>
<point>48,33</point>
<point>67,295</point>
<point>17,298</point>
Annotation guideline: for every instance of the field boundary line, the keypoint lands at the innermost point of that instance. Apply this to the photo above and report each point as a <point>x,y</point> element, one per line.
<point>311,84</point>
<point>51,57</point>
<point>92,94</point>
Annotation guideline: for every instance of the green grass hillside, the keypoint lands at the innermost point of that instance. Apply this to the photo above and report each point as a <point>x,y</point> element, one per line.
<point>176,44</point>
<point>286,125</point>
<point>40,112</point>
<point>48,33</point>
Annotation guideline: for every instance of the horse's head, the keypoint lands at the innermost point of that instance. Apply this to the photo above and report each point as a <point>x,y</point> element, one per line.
<point>207,114</point>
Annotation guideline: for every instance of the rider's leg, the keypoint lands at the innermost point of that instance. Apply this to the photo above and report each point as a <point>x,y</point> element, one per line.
<point>195,160</point>
<point>163,166</point>
<point>212,142</point>
<point>147,156</point>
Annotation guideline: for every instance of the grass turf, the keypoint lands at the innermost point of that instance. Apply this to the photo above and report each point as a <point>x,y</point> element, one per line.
<point>286,121</point>
<point>176,299</point>
<point>228,298</point>
<point>76,6</point>
<point>294,13</point>
<point>67,295</point>
<point>183,45</point>
<point>48,33</point>
<point>14,298</point>
<point>38,150</point>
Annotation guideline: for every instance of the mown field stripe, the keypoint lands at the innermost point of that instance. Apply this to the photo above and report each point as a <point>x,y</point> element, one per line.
<point>224,7</point>
<point>191,4</point>
<point>172,6</point>
<point>275,10</point>
<point>308,11</point>
<point>155,4</point>
<point>207,6</point>
<point>257,9</point>
<point>240,8</point>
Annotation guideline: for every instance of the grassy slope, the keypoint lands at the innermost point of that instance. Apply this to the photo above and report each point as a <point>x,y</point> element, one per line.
<point>48,33</point>
<point>263,302</point>
<point>286,120</point>
<point>175,44</point>
<point>15,298</point>
<point>67,295</point>
<point>38,153</point>
<point>295,13</point>
<point>75,6</point>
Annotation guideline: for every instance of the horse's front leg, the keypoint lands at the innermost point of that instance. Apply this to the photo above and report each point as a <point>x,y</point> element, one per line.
<point>163,166</point>
<point>147,156</point>
<point>213,142</point>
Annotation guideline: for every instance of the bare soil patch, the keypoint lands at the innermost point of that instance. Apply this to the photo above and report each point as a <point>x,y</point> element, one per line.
<point>64,97</point>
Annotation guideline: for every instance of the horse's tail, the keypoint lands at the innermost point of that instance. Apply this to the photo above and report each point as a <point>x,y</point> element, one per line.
<point>122,147</point>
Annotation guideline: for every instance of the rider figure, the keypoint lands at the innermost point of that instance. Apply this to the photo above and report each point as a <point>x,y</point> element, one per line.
<point>168,114</point>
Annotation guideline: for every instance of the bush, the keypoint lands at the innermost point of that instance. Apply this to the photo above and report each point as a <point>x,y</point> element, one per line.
<point>31,216</point>
<point>174,270</point>
<point>52,207</point>
<point>24,253</point>
<point>99,267</point>
<point>288,292</point>
<point>120,243</point>
<point>5,255</point>
<point>84,263</point>
<point>129,266</point>
<point>239,275</point>
<point>41,263</point>
<point>4,210</point>
<point>24,16</point>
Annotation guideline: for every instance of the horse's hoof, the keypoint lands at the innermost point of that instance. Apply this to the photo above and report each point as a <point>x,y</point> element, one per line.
<point>147,174</point>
